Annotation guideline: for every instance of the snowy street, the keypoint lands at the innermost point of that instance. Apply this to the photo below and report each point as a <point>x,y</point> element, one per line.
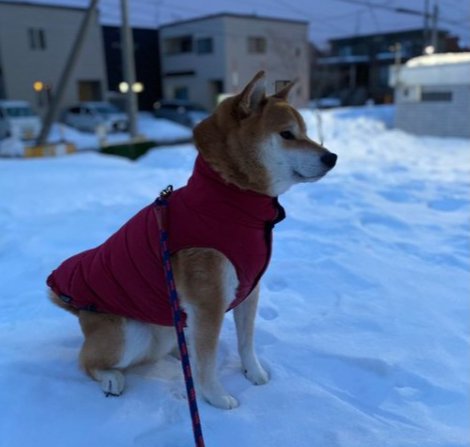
<point>364,314</point>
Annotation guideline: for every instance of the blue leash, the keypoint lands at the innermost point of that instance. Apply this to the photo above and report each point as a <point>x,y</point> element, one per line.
<point>161,204</point>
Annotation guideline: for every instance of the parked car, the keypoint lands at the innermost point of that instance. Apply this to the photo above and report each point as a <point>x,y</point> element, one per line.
<point>4,128</point>
<point>18,119</point>
<point>88,116</point>
<point>325,103</point>
<point>183,112</point>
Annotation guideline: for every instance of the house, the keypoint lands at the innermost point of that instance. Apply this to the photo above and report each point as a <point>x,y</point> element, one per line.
<point>432,95</point>
<point>208,56</point>
<point>147,63</point>
<point>35,41</point>
<point>358,67</point>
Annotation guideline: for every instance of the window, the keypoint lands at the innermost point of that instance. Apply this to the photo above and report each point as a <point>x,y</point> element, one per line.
<point>384,74</point>
<point>256,45</point>
<point>19,111</point>
<point>345,51</point>
<point>436,96</point>
<point>181,93</point>
<point>204,46</point>
<point>175,74</point>
<point>178,45</point>
<point>37,38</point>
<point>89,90</point>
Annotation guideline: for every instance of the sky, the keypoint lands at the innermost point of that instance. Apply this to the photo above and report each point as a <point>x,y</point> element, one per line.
<point>328,18</point>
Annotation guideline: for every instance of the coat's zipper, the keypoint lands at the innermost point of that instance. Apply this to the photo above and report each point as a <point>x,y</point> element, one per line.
<point>268,236</point>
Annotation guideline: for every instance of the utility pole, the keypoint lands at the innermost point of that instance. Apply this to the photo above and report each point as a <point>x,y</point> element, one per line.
<point>435,20</point>
<point>127,45</point>
<point>426,25</point>
<point>397,50</point>
<point>67,71</point>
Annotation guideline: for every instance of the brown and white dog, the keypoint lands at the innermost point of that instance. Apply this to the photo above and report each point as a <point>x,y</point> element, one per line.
<point>259,144</point>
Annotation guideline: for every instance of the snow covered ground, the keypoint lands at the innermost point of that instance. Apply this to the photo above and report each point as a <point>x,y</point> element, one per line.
<point>159,130</point>
<point>363,321</point>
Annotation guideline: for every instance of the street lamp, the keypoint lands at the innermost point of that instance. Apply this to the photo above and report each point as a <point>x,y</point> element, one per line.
<point>123,87</point>
<point>137,87</point>
<point>38,86</point>
<point>429,50</point>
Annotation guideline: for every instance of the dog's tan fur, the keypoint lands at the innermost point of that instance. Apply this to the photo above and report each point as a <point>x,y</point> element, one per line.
<point>104,341</point>
<point>241,142</point>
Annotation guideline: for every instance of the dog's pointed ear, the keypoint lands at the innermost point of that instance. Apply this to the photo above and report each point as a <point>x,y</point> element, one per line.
<point>284,92</point>
<point>252,95</point>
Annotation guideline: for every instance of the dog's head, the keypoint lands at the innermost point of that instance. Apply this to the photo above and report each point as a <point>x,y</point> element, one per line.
<point>260,143</point>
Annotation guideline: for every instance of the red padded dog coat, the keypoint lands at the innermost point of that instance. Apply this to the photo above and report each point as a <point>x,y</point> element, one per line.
<point>124,275</point>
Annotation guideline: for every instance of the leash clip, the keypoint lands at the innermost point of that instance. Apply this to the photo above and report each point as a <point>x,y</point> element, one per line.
<point>166,192</point>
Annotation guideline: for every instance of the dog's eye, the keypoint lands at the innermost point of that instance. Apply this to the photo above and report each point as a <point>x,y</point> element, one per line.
<point>287,135</point>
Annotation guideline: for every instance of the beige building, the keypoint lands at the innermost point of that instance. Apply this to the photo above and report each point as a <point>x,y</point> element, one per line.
<point>208,56</point>
<point>35,41</point>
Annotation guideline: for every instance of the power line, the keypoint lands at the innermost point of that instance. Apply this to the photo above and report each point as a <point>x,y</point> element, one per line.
<point>374,16</point>
<point>398,9</point>
<point>328,22</point>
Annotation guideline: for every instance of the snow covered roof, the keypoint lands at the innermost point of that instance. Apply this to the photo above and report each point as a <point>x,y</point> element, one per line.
<point>435,69</point>
<point>439,59</point>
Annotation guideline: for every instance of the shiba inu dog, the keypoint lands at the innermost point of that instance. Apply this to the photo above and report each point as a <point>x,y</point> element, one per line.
<point>251,149</point>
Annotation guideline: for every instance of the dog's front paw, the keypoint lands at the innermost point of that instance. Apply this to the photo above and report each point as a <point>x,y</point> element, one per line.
<point>225,402</point>
<point>257,375</point>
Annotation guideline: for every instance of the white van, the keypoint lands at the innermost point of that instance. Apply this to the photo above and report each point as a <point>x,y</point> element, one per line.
<point>21,121</point>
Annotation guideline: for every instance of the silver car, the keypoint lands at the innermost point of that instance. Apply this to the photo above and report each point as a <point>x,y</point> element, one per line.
<point>89,116</point>
<point>183,112</point>
<point>18,119</point>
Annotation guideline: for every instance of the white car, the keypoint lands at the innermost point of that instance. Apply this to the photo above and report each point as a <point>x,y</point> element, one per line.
<point>325,103</point>
<point>19,119</point>
<point>89,116</point>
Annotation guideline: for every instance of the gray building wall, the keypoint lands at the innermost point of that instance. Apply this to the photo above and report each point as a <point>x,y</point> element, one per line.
<point>437,118</point>
<point>286,56</point>
<point>22,65</point>
<point>206,68</point>
<point>230,64</point>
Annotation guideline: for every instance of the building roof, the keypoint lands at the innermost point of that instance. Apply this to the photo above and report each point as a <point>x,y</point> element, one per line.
<point>435,70</point>
<point>439,59</point>
<point>236,16</point>
<point>383,33</point>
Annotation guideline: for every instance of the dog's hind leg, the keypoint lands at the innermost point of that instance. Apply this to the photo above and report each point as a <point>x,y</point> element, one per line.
<point>102,350</point>
<point>113,343</point>
<point>245,314</point>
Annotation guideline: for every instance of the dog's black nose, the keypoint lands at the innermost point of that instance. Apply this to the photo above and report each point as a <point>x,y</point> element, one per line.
<point>329,159</point>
